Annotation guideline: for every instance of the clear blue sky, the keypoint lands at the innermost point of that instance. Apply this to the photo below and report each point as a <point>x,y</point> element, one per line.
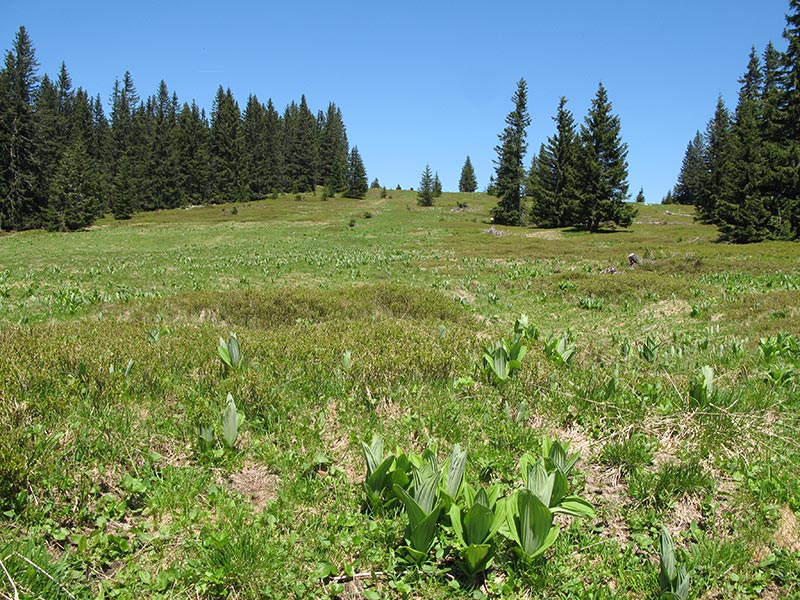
<point>425,82</point>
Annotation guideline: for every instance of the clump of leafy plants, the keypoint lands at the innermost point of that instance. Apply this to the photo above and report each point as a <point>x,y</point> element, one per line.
<point>475,526</point>
<point>230,352</point>
<point>232,419</point>
<point>560,350</point>
<point>502,358</point>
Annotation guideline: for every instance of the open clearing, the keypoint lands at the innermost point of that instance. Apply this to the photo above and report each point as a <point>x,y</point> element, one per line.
<point>364,317</point>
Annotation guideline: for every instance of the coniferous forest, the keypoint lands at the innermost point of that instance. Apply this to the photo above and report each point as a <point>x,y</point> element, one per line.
<point>743,173</point>
<point>65,162</point>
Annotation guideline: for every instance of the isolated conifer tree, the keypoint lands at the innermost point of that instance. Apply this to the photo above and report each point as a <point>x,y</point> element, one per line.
<point>425,189</point>
<point>510,171</point>
<point>356,176</point>
<point>467,182</point>
<point>602,184</point>
<point>437,185</point>
<point>552,180</point>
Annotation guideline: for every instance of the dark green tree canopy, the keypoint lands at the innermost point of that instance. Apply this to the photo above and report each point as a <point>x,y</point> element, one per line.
<point>553,177</point>
<point>510,172</point>
<point>356,176</point>
<point>152,152</point>
<point>602,183</point>
<point>467,182</point>
<point>425,189</point>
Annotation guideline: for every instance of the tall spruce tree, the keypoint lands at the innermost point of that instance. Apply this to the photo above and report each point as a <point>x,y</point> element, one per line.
<point>467,182</point>
<point>510,172</point>
<point>228,183</point>
<point>301,147</point>
<point>164,171</point>
<point>124,187</point>
<point>333,150</point>
<point>73,192</point>
<point>719,163</point>
<point>191,141</point>
<point>602,182</point>
<point>356,176</point>
<point>693,173</point>
<point>21,200</point>
<point>788,207</point>
<point>742,211</point>
<point>425,189</point>
<point>273,131</point>
<point>437,185</point>
<point>552,181</point>
<point>256,150</point>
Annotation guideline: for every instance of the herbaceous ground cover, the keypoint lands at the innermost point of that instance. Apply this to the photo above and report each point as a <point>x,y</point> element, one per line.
<point>675,383</point>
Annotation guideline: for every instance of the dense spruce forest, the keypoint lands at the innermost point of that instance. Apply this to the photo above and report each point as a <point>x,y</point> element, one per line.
<point>743,173</point>
<point>64,162</point>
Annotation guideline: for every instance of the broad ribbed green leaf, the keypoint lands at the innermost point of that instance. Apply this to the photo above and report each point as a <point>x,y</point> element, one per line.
<point>477,523</point>
<point>422,536</point>
<point>574,506</point>
<point>426,488</point>
<point>373,454</point>
<point>540,482</point>
<point>413,510</point>
<point>535,524</point>
<point>476,558</point>
<point>234,351</point>
<point>667,572</point>
<point>455,471</point>
<point>224,353</point>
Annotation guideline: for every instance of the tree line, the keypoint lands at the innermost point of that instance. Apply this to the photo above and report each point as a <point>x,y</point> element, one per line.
<point>743,173</point>
<point>64,163</point>
<point>578,178</point>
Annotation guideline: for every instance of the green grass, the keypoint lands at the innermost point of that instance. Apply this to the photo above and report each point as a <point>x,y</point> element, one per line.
<point>109,364</point>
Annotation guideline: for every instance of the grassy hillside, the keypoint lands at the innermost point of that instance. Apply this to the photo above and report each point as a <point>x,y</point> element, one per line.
<point>676,381</point>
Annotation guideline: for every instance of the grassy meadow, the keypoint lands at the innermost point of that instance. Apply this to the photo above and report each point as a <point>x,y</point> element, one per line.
<point>677,382</point>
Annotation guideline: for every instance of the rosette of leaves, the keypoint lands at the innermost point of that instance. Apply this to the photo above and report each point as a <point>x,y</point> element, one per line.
<point>475,527</point>
<point>501,360</point>
<point>560,350</point>
<point>551,488</point>
<point>673,579</point>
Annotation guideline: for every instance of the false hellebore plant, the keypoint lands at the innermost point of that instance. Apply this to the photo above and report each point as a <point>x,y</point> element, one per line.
<point>475,527</point>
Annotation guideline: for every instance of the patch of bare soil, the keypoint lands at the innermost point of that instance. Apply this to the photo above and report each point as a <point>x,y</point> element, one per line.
<point>256,483</point>
<point>787,534</point>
